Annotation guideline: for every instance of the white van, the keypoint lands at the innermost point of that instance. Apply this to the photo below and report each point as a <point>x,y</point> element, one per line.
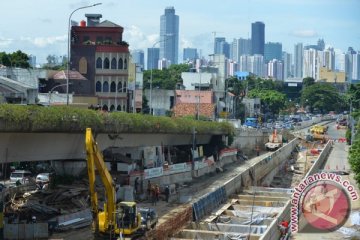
<point>20,175</point>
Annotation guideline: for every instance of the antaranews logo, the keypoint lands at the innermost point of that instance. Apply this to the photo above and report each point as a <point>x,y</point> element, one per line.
<point>321,203</point>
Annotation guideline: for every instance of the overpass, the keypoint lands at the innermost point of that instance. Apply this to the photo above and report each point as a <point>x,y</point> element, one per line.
<point>24,146</point>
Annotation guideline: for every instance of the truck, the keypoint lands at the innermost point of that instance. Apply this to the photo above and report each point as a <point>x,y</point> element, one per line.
<point>318,129</point>
<point>275,141</point>
<point>114,218</point>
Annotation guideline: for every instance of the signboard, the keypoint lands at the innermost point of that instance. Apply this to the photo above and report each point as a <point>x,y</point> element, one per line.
<point>153,172</point>
<point>199,165</point>
<point>177,168</point>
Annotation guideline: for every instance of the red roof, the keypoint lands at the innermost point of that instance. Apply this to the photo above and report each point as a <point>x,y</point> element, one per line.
<point>73,75</point>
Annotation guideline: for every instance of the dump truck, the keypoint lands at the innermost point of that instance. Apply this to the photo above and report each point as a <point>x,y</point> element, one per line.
<point>275,141</point>
<point>318,129</point>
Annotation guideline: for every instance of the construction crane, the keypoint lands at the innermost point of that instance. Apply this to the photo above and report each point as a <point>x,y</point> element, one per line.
<point>115,218</point>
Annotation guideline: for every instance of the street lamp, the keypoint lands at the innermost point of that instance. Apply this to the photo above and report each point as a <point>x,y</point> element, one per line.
<point>68,46</point>
<point>52,89</point>
<point>151,72</point>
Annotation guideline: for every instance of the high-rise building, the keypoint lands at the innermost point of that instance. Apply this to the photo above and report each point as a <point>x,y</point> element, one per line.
<point>240,47</point>
<point>258,38</point>
<point>273,50</point>
<point>153,56</point>
<point>275,69</point>
<point>356,66</point>
<point>32,61</point>
<point>169,35</point>
<point>99,53</point>
<point>254,64</point>
<point>311,63</point>
<point>190,54</point>
<point>286,59</point>
<point>327,59</point>
<point>298,60</point>
<point>221,47</point>
<point>138,58</point>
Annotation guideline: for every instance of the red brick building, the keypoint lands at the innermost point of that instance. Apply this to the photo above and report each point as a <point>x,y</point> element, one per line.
<point>99,53</point>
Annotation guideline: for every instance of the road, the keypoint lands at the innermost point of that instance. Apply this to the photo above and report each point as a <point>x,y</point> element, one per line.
<point>337,160</point>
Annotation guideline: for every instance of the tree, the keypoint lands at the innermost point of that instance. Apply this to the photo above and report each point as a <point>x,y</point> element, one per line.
<point>15,59</point>
<point>308,81</point>
<point>166,78</point>
<point>322,97</point>
<point>271,99</point>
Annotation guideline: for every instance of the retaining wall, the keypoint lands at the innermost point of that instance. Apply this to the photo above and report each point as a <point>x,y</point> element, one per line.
<point>273,231</point>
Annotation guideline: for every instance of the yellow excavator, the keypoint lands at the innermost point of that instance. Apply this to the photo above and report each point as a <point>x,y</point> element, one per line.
<point>115,218</point>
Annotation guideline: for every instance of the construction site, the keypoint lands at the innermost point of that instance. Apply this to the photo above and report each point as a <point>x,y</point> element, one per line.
<point>245,200</point>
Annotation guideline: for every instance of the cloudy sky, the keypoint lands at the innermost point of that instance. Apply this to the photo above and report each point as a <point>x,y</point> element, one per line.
<point>39,27</point>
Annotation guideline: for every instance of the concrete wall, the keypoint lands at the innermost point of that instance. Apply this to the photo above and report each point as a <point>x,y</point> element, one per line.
<point>273,231</point>
<point>21,147</point>
<point>255,173</point>
<point>246,139</point>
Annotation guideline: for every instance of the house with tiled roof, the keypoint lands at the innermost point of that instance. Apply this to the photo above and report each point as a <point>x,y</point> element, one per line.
<point>194,103</point>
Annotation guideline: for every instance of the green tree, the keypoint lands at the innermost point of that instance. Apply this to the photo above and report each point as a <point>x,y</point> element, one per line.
<point>15,59</point>
<point>308,81</point>
<point>271,99</point>
<point>322,97</point>
<point>166,78</point>
<point>354,155</point>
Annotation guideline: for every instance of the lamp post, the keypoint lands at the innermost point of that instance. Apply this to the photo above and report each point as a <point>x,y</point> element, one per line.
<point>151,74</point>
<point>68,48</point>
<point>52,89</point>
<point>198,105</point>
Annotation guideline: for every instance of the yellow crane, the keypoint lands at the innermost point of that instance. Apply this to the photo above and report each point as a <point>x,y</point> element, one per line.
<point>115,218</point>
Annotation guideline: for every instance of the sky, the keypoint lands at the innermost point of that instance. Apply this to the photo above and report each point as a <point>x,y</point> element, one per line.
<point>40,27</point>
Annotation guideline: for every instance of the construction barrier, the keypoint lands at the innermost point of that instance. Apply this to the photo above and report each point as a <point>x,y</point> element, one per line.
<point>207,203</point>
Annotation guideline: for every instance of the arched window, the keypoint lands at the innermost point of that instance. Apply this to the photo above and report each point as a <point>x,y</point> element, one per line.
<point>112,108</point>
<point>120,89</point>
<point>125,64</point>
<point>124,88</point>
<point>83,65</point>
<point>112,87</point>
<point>124,108</point>
<point>113,63</point>
<point>98,86</point>
<point>118,108</point>
<point>105,107</point>
<point>120,66</point>
<point>99,62</point>
<point>106,63</point>
<point>106,87</point>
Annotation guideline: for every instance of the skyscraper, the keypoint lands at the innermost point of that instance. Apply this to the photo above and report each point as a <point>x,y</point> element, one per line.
<point>190,54</point>
<point>169,35</point>
<point>286,59</point>
<point>152,58</point>
<point>240,47</point>
<point>356,66</point>
<point>258,38</point>
<point>138,58</point>
<point>221,47</point>
<point>311,63</point>
<point>273,50</point>
<point>298,60</point>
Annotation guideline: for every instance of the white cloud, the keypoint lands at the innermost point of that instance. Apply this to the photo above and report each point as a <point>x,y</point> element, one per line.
<point>4,42</point>
<point>304,33</point>
<point>138,39</point>
<point>45,41</point>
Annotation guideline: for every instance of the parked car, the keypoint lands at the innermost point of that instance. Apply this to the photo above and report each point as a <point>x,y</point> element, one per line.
<point>149,218</point>
<point>20,175</point>
<point>44,177</point>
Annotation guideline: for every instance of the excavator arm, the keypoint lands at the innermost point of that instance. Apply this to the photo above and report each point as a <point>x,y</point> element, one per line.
<point>95,159</point>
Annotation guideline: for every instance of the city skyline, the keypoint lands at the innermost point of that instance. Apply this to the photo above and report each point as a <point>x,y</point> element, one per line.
<point>44,33</point>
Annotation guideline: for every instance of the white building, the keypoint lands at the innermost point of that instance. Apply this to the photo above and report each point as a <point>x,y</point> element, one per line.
<point>275,69</point>
<point>356,66</point>
<point>311,64</point>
